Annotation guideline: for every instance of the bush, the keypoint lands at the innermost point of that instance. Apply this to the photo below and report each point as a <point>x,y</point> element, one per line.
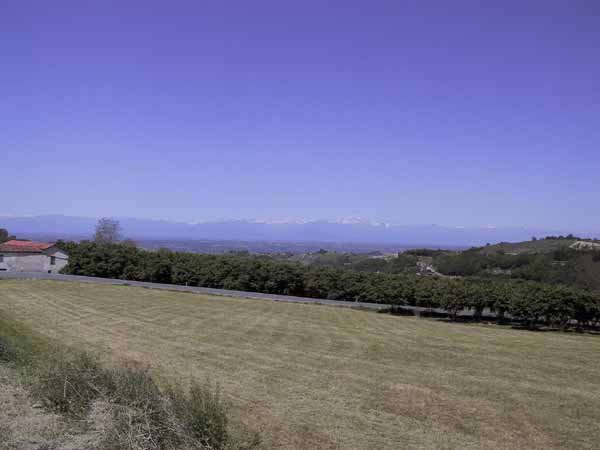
<point>201,415</point>
<point>138,418</point>
<point>69,382</point>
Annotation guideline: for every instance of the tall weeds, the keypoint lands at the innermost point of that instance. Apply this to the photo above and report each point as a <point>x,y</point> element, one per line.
<point>123,408</point>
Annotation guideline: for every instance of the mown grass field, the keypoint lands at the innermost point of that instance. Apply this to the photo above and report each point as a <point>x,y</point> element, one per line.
<point>319,377</point>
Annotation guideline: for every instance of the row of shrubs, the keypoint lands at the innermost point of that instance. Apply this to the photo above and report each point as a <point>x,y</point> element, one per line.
<point>122,408</point>
<point>529,301</point>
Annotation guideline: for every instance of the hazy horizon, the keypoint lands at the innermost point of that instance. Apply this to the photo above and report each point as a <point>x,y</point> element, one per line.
<point>399,113</point>
<point>347,220</point>
<point>349,231</point>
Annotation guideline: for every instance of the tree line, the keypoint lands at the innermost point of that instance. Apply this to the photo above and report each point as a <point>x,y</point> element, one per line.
<point>529,301</point>
<point>561,266</point>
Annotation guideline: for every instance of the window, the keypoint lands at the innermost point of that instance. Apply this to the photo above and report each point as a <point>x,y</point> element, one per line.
<point>1,258</point>
<point>53,260</point>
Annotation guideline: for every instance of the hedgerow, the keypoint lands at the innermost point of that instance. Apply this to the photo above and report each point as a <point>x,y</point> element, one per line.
<point>529,301</point>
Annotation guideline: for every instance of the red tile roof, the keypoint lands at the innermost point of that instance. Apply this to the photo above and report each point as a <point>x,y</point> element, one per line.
<point>16,246</point>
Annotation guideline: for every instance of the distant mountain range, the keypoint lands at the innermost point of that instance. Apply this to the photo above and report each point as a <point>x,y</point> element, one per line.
<point>342,231</point>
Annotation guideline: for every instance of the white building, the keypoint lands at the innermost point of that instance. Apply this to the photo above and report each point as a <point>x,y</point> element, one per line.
<point>585,245</point>
<point>27,256</point>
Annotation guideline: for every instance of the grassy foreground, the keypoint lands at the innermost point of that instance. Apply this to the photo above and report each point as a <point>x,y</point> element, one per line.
<point>317,377</point>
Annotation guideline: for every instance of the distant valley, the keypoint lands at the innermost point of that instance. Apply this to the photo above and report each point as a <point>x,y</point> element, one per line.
<point>267,237</point>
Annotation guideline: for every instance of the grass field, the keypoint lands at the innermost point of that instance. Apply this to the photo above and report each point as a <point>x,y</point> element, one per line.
<point>318,377</point>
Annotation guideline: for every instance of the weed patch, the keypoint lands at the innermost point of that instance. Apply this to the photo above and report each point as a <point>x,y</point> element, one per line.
<point>123,408</point>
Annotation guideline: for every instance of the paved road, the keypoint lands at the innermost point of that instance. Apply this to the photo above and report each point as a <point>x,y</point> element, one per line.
<point>194,289</point>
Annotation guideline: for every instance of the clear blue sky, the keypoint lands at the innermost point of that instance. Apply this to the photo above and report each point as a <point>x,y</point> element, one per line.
<point>410,112</point>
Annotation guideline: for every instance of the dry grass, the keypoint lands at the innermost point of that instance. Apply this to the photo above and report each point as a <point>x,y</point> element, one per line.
<point>316,377</point>
<point>21,425</point>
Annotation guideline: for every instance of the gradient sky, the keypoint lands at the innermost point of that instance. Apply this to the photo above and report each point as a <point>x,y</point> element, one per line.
<point>410,112</point>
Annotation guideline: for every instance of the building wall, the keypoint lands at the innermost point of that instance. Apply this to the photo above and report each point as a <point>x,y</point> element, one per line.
<point>23,262</point>
<point>61,260</point>
<point>34,262</point>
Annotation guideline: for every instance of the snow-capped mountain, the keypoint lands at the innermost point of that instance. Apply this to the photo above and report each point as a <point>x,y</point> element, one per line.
<point>353,229</point>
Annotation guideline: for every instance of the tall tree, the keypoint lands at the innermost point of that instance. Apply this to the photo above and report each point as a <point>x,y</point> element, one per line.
<point>4,236</point>
<point>108,231</point>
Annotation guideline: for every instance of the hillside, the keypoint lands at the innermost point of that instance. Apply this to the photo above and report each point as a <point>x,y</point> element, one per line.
<point>323,378</point>
<point>528,247</point>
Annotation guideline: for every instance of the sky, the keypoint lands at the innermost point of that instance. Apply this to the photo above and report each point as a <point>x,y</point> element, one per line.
<point>410,112</point>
